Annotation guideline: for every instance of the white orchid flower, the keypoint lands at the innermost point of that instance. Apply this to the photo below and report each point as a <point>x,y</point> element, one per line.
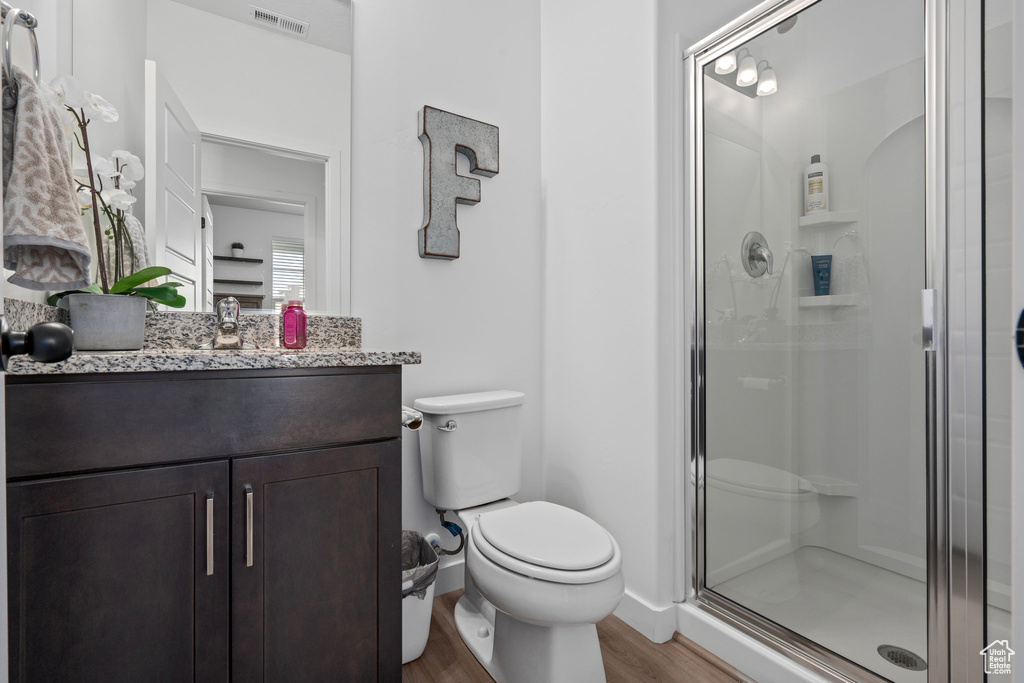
<point>126,184</point>
<point>104,167</point>
<point>85,198</point>
<point>69,91</point>
<point>118,199</point>
<point>131,166</point>
<point>100,108</point>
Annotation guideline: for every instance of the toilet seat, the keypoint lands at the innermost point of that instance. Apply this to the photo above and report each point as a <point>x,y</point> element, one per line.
<point>547,542</point>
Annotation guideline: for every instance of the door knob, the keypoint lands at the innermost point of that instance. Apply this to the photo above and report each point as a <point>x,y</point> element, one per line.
<point>44,342</point>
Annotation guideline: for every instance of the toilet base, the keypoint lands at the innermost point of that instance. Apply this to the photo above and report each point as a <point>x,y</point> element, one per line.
<point>514,651</point>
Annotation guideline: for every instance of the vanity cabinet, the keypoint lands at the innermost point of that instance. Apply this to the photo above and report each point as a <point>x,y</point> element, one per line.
<point>304,571</point>
<point>260,542</point>
<point>108,576</point>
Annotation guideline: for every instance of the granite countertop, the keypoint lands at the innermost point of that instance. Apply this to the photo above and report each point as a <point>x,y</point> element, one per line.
<point>172,337</point>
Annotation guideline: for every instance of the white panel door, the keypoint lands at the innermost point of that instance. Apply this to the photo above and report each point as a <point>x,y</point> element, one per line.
<point>173,197</point>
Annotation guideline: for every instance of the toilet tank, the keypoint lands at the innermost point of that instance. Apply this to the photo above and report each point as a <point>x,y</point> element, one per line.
<point>477,459</point>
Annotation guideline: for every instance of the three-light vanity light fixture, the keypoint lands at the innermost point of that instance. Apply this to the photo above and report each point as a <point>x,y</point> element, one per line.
<point>748,71</point>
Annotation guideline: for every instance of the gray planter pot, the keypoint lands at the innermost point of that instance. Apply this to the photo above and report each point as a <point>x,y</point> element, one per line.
<point>107,322</point>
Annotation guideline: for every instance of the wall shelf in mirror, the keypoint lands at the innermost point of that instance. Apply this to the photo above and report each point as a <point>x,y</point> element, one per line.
<point>238,259</point>
<point>827,219</point>
<point>828,300</point>
<point>251,283</point>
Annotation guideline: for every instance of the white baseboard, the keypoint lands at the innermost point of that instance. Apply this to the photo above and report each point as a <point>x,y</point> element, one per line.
<point>657,624</point>
<point>756,661</point>
<point>450,575</point>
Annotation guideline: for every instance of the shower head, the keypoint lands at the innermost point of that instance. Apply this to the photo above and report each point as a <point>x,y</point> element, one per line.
<point>787,25</point>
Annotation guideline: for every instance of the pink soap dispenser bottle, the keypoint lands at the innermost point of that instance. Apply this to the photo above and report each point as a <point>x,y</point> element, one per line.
<point>293,321</point>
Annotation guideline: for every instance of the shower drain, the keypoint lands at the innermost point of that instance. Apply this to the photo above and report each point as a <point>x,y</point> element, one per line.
<point>905,659</point>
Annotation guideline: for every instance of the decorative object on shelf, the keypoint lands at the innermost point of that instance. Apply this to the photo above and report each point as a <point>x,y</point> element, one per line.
<point>116,321</point>
<point>444,134</point>
<point>237,249</point>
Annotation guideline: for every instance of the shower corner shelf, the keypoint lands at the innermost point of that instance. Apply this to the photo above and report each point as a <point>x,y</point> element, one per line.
<point>831,486</point>
<point>827,219</point>
<point>828,300</point>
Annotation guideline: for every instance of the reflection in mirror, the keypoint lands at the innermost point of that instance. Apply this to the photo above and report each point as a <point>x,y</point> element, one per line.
<point>271,108</point>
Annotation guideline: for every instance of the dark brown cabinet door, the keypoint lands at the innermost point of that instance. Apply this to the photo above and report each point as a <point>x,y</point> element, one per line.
<point>110,576</point>
<point>316,565</point>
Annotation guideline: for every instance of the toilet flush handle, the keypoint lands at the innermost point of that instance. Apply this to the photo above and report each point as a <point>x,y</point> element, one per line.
<point>448,426</point>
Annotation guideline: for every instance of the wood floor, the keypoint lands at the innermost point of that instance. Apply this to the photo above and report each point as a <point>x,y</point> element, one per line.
<point>628,656</point>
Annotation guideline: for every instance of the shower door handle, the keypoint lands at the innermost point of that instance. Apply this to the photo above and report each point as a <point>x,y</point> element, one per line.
<point>929,303</point>
<point>1020,338</point>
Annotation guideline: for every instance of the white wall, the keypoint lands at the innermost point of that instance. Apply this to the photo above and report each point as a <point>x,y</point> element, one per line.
<point>476,319</point>
<point>601,371</point>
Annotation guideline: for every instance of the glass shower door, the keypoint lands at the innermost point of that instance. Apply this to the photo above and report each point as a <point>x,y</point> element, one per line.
<point>812,240</point>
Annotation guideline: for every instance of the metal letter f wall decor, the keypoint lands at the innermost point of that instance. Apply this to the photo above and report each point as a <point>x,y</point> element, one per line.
<point>444,134</point>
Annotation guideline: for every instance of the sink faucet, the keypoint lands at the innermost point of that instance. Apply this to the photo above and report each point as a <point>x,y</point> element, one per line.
<point>228,334</point>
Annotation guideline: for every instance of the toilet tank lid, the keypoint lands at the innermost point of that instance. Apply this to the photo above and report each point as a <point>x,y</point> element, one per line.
<point>469,403</point>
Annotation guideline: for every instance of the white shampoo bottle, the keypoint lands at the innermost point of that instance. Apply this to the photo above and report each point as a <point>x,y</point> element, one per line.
<point>815,187</point>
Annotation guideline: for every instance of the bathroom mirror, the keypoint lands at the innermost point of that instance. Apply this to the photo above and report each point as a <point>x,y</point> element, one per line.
<point>267,161</point>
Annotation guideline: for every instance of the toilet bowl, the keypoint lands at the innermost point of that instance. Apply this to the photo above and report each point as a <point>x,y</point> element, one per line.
<point>539,576</point>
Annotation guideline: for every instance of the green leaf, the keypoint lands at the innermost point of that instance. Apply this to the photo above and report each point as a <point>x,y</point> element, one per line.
<point>94,288</point>
<point>135,279</point>
<point>161,295</point>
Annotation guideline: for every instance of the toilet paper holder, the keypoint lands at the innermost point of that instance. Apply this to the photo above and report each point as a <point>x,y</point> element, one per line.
<point>411,419</point>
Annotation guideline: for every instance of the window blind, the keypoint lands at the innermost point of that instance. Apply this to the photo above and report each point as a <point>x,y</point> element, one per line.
<point>288,269</point>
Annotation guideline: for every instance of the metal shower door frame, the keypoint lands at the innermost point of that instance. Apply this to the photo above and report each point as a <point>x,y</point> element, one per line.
<point>953,360</point>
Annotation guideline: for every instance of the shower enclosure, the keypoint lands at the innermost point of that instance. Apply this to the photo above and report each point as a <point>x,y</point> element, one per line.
<point>851,353</point>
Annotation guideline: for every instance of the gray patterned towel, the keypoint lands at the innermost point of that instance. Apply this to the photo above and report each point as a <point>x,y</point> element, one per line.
<point>45,243</point>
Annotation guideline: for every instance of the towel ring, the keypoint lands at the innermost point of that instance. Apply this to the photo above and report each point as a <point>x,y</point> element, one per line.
<point>16,16</point>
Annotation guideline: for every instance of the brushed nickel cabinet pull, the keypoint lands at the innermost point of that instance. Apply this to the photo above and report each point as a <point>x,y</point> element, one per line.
<point>209,534</point>
<point>248,525</point>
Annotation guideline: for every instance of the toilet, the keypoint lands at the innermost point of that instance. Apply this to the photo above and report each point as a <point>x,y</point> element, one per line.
<point>754,514</point>
<point>538,576</point>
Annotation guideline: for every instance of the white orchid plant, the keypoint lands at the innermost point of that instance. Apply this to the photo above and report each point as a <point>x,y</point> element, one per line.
<point>120,172</point>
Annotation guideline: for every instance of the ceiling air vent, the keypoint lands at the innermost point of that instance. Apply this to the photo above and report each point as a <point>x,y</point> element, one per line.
<point>278,22</point>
